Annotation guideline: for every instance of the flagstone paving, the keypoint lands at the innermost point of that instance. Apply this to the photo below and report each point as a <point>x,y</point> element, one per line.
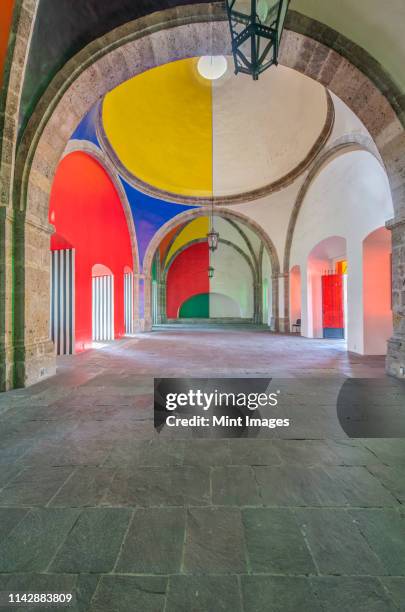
<point>94,502</point>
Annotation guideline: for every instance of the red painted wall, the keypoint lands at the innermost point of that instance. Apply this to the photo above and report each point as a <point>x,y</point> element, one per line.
<point>87,213</point>
<point>6,16</point>
<point>188,276</point>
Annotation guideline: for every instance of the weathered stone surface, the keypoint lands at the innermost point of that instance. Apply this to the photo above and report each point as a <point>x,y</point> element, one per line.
<point>298,486</point>
<point>158,486</point>
<point>154,542</point>
<point>234,486</point>
<point>337,544</point>
<point>203,593</point>
<point>123,593</point>
<point>278,593</point>
<point>32,544</point>
<point>94,542</point>
<point>275,543</point>
<point>384,530</point>
<point>342,594</point>
<point>214,542</point>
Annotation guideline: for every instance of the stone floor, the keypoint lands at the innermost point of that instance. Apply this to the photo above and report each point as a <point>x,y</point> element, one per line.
<point>93,501</point>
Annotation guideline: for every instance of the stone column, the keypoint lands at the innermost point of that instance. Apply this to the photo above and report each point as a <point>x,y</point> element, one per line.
<point>6,295</point>
<point>280,322</point>
<point>34,351</point>
<point>143,302</point>
<point>162,287</point>
<point>395,363</point>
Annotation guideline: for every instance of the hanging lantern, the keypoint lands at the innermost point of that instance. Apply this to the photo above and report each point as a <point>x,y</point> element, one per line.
<point>256,29</point>
<point>211,272</point>
<point>213,238</point>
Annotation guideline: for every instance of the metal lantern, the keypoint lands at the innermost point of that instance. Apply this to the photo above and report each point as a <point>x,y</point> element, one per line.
<point>256,29</point>
<point>213,238</point>
<point>211,272</point>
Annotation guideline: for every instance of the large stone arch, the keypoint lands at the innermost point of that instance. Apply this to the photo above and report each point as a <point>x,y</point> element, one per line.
<point>159,38</point>
<point>229,215</point>
<point>189,215</point>
<point>342,145</point>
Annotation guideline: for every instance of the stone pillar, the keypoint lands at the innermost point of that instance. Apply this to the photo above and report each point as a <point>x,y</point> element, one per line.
<point>395,363</point>
<point>257,303</point>
<point>280,300</point>
<point>34,351</point>
<point>162,287</point>
<point>6,295</point>
<point>143,303</point>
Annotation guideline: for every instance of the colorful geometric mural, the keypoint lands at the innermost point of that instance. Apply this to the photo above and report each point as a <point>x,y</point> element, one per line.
<point>181,134</point>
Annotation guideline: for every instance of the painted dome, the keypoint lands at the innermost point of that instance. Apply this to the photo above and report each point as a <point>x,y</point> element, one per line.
<point>172,131</point>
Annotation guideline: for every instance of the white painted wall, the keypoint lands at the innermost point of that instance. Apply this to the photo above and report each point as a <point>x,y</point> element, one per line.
<point>232,278</point>
<point>349,198</point>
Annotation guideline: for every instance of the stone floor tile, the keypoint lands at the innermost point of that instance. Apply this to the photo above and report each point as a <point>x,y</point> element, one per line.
<point>384,530</point>
<point>34,486</point>
<point>396,589</point>
<point>207,452</point>
<point>124,453</point>
<point>275,543</point>
<point>214,542</point>
<point>8,472</point>
<point>161,453</point>
<point>154,542</point>
<point>234,486</point>
<point>348,594</point>
<point>360,487</point>
<point>32,544</point>
<point>68,453</point>
<point>252,451</point>
<point>278,594</point>
<point>392,478</point>
<point>94,542</point>
<point>352,452</point>
<point>203,594</point>
<point>390,451</point>
<point>336,543</point>
<point>86,487</point>
<point>305,452</point>
<point>130,594</point>
<point>298,486</point>
<point>9,518</point>
<point>153,486</point>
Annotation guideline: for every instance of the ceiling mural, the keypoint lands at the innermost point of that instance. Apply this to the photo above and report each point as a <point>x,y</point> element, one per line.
<point>174,133</point>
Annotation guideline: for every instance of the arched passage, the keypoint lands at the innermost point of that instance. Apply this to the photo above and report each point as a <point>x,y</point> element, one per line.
<point>86,210</point>
<point>59,113</point>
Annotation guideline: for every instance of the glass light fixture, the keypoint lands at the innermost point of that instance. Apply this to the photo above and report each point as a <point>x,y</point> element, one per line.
<point>212,67</point>
<point>256,30</point>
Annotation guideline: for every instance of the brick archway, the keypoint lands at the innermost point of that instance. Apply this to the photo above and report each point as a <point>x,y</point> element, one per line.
<point>159,38</point>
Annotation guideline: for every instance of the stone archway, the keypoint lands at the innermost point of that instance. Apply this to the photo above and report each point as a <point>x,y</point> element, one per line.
<point>151,41</point>
<point>225,213</point>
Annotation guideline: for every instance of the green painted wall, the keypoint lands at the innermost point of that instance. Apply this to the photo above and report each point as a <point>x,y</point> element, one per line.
<point>197,307</point>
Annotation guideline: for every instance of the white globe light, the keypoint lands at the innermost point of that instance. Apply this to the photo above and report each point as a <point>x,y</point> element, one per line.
<point>212,67</point>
